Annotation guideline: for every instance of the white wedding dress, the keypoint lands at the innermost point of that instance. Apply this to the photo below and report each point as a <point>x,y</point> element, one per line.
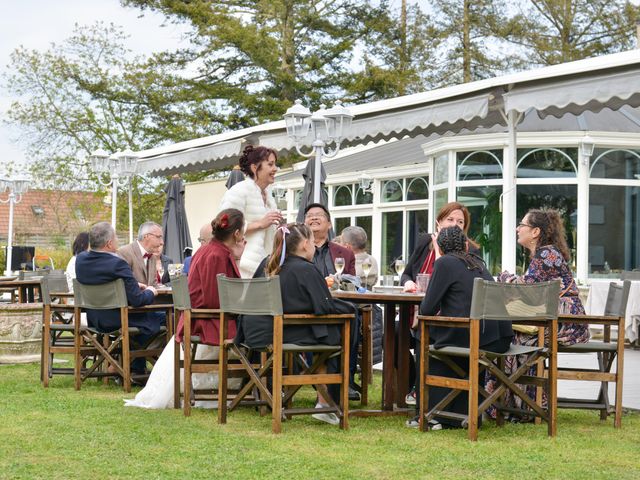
<point>158,393</point>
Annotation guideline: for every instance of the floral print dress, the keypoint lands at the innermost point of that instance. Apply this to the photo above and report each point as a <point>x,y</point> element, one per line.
<point>547,264</point>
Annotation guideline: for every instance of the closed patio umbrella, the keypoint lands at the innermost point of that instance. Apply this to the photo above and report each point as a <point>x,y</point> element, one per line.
<point>236,176</point>
<point>309,186</point>
<point>174,221</point>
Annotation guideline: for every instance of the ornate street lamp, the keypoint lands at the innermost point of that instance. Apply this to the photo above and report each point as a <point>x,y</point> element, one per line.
<point>327,126</point>
<point>120,168</point>
<point>16,187</point>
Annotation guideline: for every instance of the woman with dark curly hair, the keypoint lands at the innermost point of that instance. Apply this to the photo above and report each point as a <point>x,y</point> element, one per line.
<point>542,233</point>
<point>449,295</point>
<point>254,199</point>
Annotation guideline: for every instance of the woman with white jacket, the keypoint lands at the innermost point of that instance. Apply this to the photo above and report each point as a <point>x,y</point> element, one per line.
<point>254,199</point>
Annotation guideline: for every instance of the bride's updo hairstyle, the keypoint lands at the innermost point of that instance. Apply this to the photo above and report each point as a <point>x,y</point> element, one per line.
<point>226,222</point>
<point>254,156</point>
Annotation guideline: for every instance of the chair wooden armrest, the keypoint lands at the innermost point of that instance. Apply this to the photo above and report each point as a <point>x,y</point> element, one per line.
<point>589,319</point>
<point>306,319</point>
<point>438,321</point>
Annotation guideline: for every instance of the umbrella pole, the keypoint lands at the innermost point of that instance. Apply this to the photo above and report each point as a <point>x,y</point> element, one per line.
<point>318,146</point>
<point>130,212</point>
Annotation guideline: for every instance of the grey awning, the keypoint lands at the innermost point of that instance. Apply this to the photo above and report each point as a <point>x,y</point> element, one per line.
<point>217,155</point>
<point>576,95</point>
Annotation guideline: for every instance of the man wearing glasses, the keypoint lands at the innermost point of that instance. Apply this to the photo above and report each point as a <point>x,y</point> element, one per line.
<point>142,255</point>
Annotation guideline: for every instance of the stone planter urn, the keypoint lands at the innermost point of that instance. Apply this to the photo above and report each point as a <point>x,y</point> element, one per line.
<point>20,332</point>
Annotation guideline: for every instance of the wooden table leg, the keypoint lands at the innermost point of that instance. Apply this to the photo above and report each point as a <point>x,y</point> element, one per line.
<point>388,357</point>
<point>403,353</point>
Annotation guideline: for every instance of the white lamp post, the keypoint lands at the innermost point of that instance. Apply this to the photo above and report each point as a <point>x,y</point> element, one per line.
<point>16,187</point>
<point>327,126</point>
<point>121,167</point>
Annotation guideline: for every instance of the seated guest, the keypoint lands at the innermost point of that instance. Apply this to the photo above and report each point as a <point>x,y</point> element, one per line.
<point>355,239</point>
<point>449,295</point>
<point>220,255</point>
<point>425,253</point>
<point>304,290</point>
<point>100,265</point>
<point>422,260</point>
<point>140,254</point>
<point>542,234</point>
<point>80,244</point>
<point>204,238</point>
<point>318,219</point>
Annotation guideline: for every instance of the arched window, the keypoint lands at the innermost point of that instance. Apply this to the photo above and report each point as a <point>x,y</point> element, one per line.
<point>547,163</point>
<point>392,191</point>
<point>342,196</point>
<point>418,189</point>
<point>363,198</point>
<point>479,165</point>
<point>621,164</point>
<point>614,212</point>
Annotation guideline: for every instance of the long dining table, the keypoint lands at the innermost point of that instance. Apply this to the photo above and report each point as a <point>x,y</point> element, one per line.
<point>395,366</point>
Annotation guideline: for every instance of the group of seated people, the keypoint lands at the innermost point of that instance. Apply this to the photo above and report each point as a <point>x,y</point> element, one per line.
<point>248,238</point>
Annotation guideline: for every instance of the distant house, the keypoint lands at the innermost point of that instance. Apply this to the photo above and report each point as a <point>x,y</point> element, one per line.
<point>50,218</point>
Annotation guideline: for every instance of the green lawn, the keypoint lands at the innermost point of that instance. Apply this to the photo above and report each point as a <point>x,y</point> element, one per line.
<point>60,433</point>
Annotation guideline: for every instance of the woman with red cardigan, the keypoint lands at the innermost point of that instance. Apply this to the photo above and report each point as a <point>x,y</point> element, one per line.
<point>218,256</point>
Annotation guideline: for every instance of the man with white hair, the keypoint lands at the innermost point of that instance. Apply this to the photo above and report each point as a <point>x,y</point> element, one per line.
<point>142,255</point>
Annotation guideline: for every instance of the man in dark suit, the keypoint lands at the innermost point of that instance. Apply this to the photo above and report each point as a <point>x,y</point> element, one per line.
<point>100,265</point>
<point>318,219</point>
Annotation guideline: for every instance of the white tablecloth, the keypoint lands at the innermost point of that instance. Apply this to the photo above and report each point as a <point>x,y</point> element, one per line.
<point>598,297</point>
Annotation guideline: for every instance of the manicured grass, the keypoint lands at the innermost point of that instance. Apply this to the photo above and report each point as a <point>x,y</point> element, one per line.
<point>60,433</point>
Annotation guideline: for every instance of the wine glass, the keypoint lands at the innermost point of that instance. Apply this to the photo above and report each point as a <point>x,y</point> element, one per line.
<point>366,268</point>
<point>173,269</point>
<point>160,273</point>
<point>339,264</point>
<point>399,268</point>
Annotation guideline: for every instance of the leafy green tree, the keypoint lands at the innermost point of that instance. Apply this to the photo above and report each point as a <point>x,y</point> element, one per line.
<point>89,92</point>
<point>397,59</point>
<point>256,57</point>
<point>472,35</point>
<point>557,31</point>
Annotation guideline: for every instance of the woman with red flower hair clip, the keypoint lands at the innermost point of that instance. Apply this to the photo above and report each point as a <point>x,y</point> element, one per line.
<point>220,255</point>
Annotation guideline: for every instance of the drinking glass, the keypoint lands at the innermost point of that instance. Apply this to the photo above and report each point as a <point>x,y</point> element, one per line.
<point>173,269</point>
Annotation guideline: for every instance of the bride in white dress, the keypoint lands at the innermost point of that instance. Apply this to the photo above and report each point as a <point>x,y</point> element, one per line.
<point>158,393</point>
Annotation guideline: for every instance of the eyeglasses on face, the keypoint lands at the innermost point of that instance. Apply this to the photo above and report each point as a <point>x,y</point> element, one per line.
<point>316,215</point>
<point>159,237</point>
<point>520,225</point>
